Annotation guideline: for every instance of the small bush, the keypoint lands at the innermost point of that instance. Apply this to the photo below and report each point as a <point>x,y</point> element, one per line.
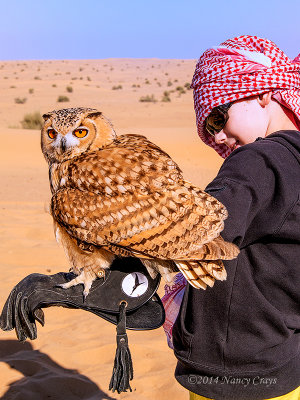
<point>32,121</point>
<point>12,87</point>
<point>88,78</point>
<point>69,89</point>
<point>30,91</point>
<point>180,89</point>
<point>148,99</point>
<point>147,82</point>
<point>18,100</point>
<point>187,86</point>
<point>169,83</point>
<point>166,97</point>
<point>117,87</point>
<point>54,85</point>
<point>37,78</point>
<point>62,99</point>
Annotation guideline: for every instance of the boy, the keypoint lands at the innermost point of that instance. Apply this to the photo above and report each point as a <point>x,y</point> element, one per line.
<point>241,339</point>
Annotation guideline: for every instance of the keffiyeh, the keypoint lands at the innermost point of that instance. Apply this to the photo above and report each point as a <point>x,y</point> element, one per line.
<point>239,68</point>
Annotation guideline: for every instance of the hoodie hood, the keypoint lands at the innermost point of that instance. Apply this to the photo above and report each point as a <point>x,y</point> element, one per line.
<point>289,139</point>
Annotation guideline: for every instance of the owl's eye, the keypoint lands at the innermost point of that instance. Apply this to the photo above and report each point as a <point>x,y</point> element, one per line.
<point>51,133</point>
<point>80,132</point>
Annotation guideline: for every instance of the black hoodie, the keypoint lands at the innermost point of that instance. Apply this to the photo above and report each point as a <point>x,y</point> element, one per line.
<point>241,339</point>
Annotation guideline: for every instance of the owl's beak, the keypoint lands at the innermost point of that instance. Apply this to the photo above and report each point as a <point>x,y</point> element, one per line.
<point>63,145</point>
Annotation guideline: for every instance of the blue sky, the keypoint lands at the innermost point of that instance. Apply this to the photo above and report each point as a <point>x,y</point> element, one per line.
<point>94,29</point>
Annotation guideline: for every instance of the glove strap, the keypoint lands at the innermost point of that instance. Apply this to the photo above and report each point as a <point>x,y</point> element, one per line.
<point>123,369</point>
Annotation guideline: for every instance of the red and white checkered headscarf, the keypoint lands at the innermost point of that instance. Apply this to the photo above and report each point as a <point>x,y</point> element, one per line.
<point>239,68</point>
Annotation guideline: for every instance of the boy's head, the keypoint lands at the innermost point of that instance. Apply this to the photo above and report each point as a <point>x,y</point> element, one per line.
<point>255,76</point>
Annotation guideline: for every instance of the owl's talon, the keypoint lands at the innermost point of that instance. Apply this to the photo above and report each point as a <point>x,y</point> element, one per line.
<point>60,285</point>
<point>84,278</point>
<point>86,291</point>
<point>84,296</point>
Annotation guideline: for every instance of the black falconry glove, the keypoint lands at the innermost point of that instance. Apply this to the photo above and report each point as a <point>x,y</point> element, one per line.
<point>127,280</point>
<point>126,296</point>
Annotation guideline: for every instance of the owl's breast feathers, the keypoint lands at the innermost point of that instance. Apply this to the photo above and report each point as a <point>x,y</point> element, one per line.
<point>131,195</point>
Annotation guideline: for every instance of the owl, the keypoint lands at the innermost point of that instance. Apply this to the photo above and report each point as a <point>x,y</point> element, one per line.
<point>119,196</point>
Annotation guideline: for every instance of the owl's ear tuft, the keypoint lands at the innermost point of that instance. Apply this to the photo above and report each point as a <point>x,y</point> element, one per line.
<point>94,114</point>
<point>46,116</point>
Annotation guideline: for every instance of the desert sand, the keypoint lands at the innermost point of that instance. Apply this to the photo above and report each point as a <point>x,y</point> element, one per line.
<point>72,357</point>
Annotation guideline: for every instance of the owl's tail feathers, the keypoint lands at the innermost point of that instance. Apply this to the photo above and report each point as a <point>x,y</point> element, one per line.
<point>201,274</point>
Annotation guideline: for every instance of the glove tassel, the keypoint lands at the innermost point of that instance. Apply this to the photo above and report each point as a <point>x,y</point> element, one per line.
<point>123,369</point>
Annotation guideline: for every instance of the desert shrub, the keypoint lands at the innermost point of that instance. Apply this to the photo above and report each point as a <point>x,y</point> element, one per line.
<point>148,99</point>
<point>62,99</point>
<point>54,85</point>
<point>166,97</point>
<point>187,85</point>
<point>37,78</point>
<point>147,82</point>
<point>69,89</point>
<point>18,100</point>
<point>88,78</point>
<point>180,89</point>
<point>169,83</point>
<point>117,87</point>
<point>12,87</point>
<point>30,91</point>
<point>32,121</point>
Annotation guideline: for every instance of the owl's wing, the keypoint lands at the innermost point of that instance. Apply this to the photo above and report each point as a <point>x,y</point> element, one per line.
<point>137,199</point>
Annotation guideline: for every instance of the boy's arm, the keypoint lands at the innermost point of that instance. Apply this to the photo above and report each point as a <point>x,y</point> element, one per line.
<point>245,184</point>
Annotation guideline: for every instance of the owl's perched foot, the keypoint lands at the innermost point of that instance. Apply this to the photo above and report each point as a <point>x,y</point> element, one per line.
<point>86,278</point>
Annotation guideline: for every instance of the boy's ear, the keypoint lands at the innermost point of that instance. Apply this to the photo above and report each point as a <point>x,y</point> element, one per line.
<point>264,98</point>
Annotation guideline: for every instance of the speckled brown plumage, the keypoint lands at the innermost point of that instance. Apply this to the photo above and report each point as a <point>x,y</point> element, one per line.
<point>128,197</point>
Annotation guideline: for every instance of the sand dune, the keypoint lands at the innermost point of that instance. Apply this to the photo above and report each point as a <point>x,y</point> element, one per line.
<point>73,355</point>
